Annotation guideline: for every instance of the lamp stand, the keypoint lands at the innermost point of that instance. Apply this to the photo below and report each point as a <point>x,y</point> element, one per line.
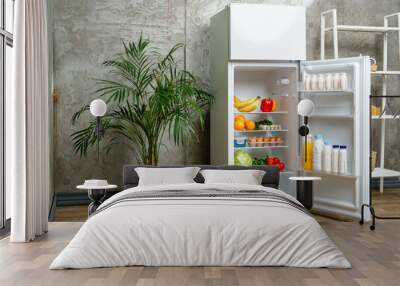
<point>303,131</point>
<point>99,135</point>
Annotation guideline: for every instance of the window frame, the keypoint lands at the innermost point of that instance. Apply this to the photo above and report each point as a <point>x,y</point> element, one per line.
<point>6,39</point>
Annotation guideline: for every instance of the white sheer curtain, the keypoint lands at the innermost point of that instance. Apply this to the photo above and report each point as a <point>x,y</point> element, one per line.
<point>28,145</point>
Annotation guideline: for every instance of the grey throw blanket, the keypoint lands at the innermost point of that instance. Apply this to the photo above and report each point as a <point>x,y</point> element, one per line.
<point>206,194</point>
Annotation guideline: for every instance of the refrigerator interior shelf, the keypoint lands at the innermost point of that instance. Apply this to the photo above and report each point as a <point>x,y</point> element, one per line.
<point>261,131</point>
<point>260,112</point>
<point>384,173</point>
<point>263,147</point>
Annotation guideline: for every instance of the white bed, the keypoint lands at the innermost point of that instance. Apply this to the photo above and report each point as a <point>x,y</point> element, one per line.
<point>202,231</point>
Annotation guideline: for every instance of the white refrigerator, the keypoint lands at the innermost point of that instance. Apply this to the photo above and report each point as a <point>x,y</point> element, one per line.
<point>260,50</point>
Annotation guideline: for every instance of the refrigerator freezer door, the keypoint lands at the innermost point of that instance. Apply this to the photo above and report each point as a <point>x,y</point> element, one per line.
<point>341,116</point>
<point>267,32</point>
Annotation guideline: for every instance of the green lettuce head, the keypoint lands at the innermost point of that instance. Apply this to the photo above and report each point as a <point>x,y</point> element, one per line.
<point>242,158</point>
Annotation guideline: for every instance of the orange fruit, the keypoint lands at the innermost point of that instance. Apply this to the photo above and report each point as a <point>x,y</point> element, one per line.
<point>239,125</point>
<point>274,104</point>
<point>240,117</point>
<point>250,124</point>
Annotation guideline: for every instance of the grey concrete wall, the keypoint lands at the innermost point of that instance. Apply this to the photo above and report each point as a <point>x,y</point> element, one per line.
<point>87,32</point>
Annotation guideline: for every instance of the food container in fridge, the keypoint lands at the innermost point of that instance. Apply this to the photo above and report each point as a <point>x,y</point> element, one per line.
<point>240,141</point>
<point>251,141</point>
<point>260,141</point>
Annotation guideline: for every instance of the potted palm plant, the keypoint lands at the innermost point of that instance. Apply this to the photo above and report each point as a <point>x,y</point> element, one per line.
<point>148,96</point>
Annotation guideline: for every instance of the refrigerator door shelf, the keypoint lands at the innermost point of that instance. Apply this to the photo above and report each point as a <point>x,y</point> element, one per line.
<point>326,92</point>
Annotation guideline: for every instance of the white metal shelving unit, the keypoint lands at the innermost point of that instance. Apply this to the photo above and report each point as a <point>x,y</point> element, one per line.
<point>379,172</point>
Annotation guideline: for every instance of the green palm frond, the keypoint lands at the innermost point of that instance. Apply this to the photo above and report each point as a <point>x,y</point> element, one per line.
<point>77,115</point>
<point>149,96</point>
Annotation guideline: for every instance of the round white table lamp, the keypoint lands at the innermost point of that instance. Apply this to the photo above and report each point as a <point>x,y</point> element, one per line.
<point>305,107</point>
<point>98,108</point>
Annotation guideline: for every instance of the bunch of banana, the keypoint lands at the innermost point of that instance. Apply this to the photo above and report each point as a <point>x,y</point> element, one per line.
<point>246,105</point>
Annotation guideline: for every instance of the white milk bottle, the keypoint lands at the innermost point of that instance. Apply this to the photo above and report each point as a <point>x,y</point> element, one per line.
<point>343,81</point>
<point>314,82</point>
<point>321,82</point>
<point>329,81</point>
<point>343,159</point>
<point>335,158</point>
<point>306,81</point>
<point>327,157</point>
<point>317,152</point>
<point>336,81</point>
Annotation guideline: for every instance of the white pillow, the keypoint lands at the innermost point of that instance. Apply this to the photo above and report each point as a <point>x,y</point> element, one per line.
<point>166,176</point>
<point>247,177</point>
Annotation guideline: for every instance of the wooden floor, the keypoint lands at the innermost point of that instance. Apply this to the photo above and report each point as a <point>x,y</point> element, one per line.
<point>375,257</point>
<point>387,203</point>
<point>71,213</point>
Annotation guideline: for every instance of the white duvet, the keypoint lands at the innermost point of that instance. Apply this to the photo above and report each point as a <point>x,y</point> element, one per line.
<point>200,231</point>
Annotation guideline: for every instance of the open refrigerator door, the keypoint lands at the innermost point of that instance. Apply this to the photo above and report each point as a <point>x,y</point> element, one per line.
<point>340,90</point>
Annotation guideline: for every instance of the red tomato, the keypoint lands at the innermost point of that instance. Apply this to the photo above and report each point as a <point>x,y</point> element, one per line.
<point>267,104</point>
<point>276,160</point>
<point>269,161</point>
<point>281,166</point>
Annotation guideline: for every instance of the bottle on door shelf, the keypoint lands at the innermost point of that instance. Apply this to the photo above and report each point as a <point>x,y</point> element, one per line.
<point>318,146</point>
<point>336,81</point>
<point>308,164</point>
<point>307,81</point>
<point>329,81</point>
<point>343,159</point>
<point>335,158</point>
<point>314,82</point>
<point>321,82</point>
<point>343,81</point>
<point>327,157</point>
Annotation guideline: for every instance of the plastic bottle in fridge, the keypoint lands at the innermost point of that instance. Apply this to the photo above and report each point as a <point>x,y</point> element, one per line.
<point>343,81</point>
<point>306,81</point>
<point>321,82</point>
<point>314,82</point>
<point>336,81</point>
<point>317,152</point>
<point>327,157</point>
<point>308,162</point>
<point>335,158</point>
<point>343,159</point>
<point>329,81</point>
